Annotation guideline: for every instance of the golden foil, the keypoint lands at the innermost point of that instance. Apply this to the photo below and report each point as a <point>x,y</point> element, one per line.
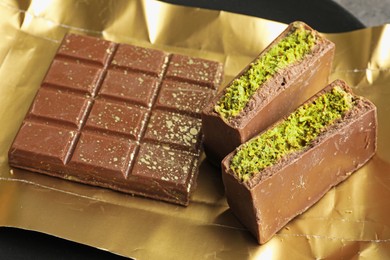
<point>351,221</point>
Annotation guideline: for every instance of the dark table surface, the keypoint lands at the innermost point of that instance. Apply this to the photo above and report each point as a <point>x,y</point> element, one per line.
<point>324,16</point>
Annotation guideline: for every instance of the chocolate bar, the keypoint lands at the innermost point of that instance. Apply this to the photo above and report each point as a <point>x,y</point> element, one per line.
<point>119,116</point>
<point>280,173</point>
<point>294,67</point>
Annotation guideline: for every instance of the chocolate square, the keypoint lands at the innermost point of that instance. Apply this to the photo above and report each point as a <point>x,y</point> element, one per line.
<point>183,96</point>
<point>96,119</point>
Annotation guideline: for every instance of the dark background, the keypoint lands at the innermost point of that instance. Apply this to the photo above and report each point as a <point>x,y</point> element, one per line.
<point>323,15</point>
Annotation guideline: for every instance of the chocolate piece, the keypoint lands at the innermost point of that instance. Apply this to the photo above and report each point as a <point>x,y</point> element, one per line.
<point>119,116</point>
<point>265,201</point>
<point>277,96</point>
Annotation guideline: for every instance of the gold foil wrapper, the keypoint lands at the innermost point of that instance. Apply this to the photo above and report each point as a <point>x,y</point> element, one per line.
<point>351,221</point>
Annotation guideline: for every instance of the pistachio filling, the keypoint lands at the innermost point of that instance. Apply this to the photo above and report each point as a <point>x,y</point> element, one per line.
<point>289,50</point>
<point>291,135</point>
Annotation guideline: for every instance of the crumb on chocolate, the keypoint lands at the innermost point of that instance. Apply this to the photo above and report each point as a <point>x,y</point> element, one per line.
<point>287,51</point>
<point>292,134</point>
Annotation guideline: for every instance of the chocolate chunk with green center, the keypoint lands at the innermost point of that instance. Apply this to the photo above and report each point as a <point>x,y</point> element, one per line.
<point>289,50</point>
<point>292,134</point>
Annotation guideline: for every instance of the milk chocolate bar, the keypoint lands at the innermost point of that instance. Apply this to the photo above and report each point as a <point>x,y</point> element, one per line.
<point>294,67</point>
<point>280,173</point>
<point>119,116</point>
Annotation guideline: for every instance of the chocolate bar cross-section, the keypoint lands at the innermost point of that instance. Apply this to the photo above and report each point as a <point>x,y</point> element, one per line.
<point>119,116</point>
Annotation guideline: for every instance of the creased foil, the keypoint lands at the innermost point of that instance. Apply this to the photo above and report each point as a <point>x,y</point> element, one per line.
<point>350,221</point>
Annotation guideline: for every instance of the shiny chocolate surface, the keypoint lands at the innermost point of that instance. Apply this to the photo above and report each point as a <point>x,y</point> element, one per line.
<point>119,116</point>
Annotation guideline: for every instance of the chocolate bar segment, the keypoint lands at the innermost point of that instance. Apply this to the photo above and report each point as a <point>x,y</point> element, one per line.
<point>140,59</point>
<point>266,199</point>
<point>169,168</point>
<point>138,88</point>
<point>115,118</point>
<point>183,96</point>
<point>55,104</point>
<point>52,149</point>
<point>261,103</point>
<point>86,48</point>
<point>105,156</point>
<point>74,75</point>
<point>188,69</point>
<point>96,119</point>
<point>178,130</point>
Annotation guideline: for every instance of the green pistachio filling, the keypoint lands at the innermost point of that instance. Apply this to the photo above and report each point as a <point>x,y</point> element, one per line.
<point>289,50</point>
<point>292,134</point>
